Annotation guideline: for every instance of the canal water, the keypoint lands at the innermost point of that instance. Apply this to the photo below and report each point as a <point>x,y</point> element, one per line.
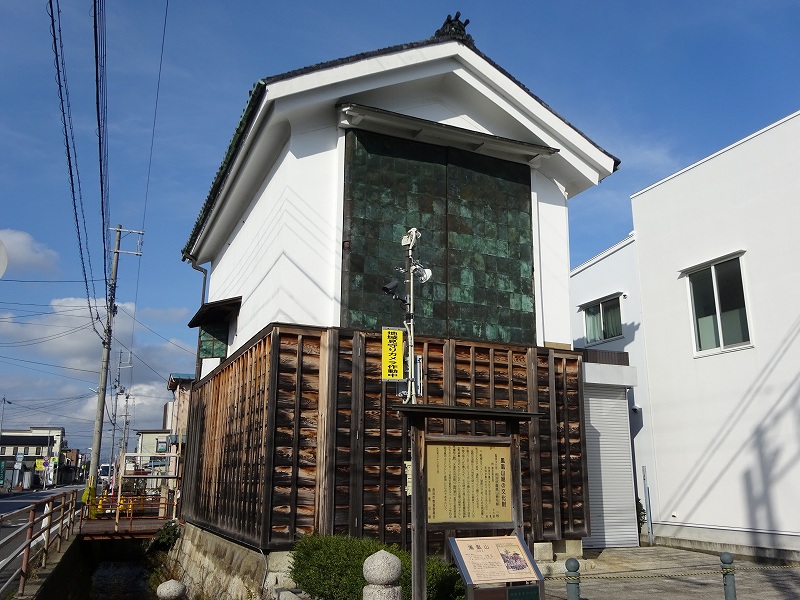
<point>121,580</point>
<point>102,570</point>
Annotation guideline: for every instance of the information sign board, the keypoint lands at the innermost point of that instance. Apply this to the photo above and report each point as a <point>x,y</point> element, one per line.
<point>499,559</point>
<point>468,483</point>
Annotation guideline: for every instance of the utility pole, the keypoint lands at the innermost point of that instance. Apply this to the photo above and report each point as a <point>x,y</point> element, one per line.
<point>123,443</point>
<point>118,389</point>
<point>101,390</point>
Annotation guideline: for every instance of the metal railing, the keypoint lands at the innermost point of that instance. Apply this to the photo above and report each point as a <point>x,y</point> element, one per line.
<point>130,508</point>
<point>55,517</point>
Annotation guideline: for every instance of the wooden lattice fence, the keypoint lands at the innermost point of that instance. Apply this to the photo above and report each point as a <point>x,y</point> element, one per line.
<point>296,433</point>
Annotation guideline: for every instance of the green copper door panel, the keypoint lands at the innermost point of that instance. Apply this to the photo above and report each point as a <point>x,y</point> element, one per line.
<point>490,249</point>
<point>474,214</point>
<point>392,185</point>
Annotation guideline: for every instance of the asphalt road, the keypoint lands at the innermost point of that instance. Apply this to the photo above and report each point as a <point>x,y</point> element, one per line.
<point>14,501</point>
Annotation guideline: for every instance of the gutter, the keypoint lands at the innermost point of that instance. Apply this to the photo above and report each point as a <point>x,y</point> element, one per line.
<point>198,365</point>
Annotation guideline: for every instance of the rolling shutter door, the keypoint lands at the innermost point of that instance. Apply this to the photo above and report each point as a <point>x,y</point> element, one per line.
<point>612,499</point>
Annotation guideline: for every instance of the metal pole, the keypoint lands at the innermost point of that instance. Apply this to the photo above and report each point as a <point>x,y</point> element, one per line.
<point>26,553</point>
<point>650,539</point>
<point>573,577</point>
<point>418,500</point>
<point>410,393</point>
<point>728,578</point>
<point>101,390</point>
<point>114,406</point>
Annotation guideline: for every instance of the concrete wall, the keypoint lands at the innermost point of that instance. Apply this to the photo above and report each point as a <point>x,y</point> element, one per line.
<point>217,568</point>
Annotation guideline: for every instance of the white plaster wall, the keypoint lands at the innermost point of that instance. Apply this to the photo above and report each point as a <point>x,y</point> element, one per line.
<point>291,232</point>
<point>284,258</point>
<point>726,427</point>
<point>551,262</point>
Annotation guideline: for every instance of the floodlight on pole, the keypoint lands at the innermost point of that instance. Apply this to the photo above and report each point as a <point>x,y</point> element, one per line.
<point>414,269</point>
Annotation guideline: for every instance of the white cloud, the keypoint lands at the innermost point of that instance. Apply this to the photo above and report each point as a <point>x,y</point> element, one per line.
<point>34,343</point>
<point>26,254</point>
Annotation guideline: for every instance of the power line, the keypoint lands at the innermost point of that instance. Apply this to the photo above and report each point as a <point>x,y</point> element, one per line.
<point>41,364</point>
<point>147,184</point>
<point>48,280</point>
<point>41,340</point>
<point>32,304</point>
<point>101,110</point>
<point>66,310</point>
<point>187,350</point>
<point>133,355</point>
<point>69,143</point>
<point>69,417</point>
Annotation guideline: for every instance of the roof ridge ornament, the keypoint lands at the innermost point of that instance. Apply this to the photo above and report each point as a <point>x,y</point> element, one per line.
<point>454,28</point>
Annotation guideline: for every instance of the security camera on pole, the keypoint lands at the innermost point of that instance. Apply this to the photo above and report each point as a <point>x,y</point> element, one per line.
<point>413,268</point>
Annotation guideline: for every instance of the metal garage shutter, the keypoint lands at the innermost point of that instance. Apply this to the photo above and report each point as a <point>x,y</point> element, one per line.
<point>612,499</point>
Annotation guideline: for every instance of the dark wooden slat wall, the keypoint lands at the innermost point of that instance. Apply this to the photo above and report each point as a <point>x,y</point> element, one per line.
<point>295,433</point>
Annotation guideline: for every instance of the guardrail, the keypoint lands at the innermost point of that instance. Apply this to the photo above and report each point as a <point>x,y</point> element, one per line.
<point>55,516</point>
<point>129,508</point>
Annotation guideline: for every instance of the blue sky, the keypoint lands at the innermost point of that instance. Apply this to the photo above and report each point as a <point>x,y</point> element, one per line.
<point>660,85</point>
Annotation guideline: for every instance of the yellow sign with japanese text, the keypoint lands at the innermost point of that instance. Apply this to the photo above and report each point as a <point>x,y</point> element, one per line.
<point>392,354</point>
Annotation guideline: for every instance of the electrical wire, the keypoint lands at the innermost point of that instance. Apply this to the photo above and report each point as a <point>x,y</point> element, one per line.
<point>133,355</point>
<point>46,372</point>
<point>49,280</point>
<point>147,183</point>
<point>42,364</point>
<point>101,111</point>
<point>72,156</point>
<point>41,340</point>
<point>132,316</point>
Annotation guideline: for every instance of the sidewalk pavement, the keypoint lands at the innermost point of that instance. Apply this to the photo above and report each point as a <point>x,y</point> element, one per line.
<point>657,572</point>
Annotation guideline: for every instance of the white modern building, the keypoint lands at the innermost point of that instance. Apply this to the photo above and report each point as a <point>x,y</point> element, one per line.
<point>702,297</point>
<point>606,317</point>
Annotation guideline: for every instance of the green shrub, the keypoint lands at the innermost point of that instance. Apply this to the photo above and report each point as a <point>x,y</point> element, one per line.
<point>166,537</point>
<point>443,581</point>
<point>332,568</point>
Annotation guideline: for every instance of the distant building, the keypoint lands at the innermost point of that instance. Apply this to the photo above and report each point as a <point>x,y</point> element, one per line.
<point>151,450</point>
<point>38,451</point>
<point>703,297</point>
<point>175,419</point>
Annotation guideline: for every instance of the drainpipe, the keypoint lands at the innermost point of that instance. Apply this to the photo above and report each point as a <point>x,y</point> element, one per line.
<point>198,366</point>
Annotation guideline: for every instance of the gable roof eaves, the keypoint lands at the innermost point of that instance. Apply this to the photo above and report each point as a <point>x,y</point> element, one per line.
<point>260,89</point>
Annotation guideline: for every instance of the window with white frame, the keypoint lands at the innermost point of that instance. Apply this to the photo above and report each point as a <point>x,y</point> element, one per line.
<point>603,320</point>
<point>718,305</point>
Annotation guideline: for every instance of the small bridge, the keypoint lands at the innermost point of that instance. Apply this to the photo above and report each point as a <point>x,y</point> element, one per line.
<point>119,517</point>
<point>36,544</point>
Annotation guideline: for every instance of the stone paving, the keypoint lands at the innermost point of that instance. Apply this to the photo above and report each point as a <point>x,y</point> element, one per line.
<point>653,573</point>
